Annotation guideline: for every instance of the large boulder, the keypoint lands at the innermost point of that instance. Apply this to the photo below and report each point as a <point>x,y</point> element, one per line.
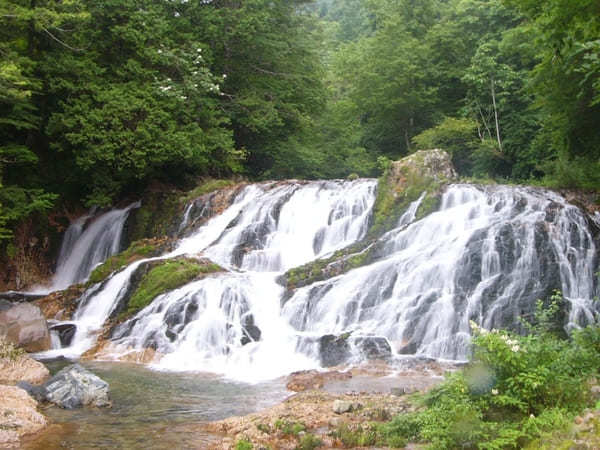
<point>433,164</point>
<point>74,387</point>
<point>18,416</point>
<point>24,325</point>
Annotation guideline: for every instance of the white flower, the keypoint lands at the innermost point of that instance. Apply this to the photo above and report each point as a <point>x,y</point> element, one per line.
<point>515,348</point>
<point>494,391</point>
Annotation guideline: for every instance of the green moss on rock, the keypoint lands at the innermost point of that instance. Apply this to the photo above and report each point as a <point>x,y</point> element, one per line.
<point>145,248</point>
<point>165,276</point>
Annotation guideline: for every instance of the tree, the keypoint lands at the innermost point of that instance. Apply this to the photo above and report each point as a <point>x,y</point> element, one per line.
<point>28,30</point>
<point>566,84</point>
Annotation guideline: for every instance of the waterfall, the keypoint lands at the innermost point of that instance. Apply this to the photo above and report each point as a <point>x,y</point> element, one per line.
<point>88,242</point>
<point>487,254</point>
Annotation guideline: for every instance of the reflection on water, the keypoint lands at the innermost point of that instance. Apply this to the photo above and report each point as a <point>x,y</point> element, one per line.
<point>153,409</point>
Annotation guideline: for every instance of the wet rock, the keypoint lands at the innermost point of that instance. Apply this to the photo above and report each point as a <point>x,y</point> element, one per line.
<point>251,333</point>
<point>373,347</point>
<point>65,332</point>
<point>25,326</point>
<point>36,392</point>
<point>5,304</point>
<point>74,387</point>
<point>14,296</point>
<point>334,350</point>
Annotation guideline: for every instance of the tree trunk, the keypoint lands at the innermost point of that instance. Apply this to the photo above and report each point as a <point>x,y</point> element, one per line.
<point>496,116</point>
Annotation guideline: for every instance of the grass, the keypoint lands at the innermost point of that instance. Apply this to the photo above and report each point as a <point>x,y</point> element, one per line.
<point>288,428</point>
<point>8,351</point>
<point>243,444</point>
<point>168,275</point>
<point>309,442</point>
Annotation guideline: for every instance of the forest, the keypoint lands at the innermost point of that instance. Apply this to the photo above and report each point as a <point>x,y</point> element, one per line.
<point>100,99</point>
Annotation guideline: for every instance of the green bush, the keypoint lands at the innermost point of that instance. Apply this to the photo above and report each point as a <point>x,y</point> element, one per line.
<point>516,388</point>
<point>309,442</point>
<point>288,428</point>
<point>243,444</point>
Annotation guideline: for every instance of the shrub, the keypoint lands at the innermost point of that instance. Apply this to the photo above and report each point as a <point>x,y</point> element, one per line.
<point>243,444</point>
<point>516,388</point>
<point>288,428</point>
<point>309,442</point>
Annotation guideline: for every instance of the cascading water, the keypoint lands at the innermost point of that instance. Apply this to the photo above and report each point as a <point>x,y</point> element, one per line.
<point>84,247</point>
<point>268,229</point>
<point>487,254</point>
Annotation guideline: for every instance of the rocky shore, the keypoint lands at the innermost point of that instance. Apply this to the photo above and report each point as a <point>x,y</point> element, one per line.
<point>328,404</point>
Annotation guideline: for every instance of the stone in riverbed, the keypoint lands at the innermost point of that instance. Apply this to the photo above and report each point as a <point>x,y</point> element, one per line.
<point>24,325</point>
<point>344,406</point>
<point>74,387</point>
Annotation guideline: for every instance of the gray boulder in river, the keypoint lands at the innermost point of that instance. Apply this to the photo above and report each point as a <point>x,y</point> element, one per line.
<point>75,386</point>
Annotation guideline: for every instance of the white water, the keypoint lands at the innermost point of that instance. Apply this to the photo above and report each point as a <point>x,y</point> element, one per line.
<point>482,257</point>
<point>84,247</point>
<point>486,255</point>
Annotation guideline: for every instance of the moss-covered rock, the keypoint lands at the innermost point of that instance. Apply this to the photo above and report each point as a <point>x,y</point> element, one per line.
<point>403,183</point>
<point>157,277</point>
<point>144,248</point>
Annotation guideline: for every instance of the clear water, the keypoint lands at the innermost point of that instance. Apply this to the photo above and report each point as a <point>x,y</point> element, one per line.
<point>153,409</point>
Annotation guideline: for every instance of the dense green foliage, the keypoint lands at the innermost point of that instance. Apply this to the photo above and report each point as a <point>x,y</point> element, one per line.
<point>97,99</point>
<point>509,87</point>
